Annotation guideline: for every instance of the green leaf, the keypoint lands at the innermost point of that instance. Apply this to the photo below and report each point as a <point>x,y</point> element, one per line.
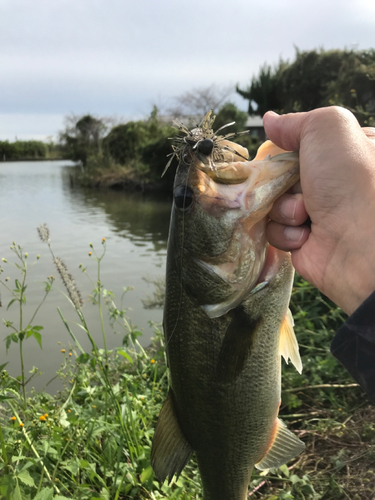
<point>146,474</point>
<point>83,358</point>
<point>25,477</point>
<point>44,494</point>
<point>295,479</point>
<point>10,303</point>
<point>17,458</point>
<point>3,366</point>
<point>12,391</point>
<point>6,485</point>
<point>9,339</point>
<point>16,493</point>
<point>284,469</point>
<point>63,419</point>
<point>37,336</point>
<point>72,467</point>
<point>126,355</point>
<point>38,328</point>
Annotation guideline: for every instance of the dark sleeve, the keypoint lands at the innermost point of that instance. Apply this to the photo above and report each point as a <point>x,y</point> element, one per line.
<point>354,346</point>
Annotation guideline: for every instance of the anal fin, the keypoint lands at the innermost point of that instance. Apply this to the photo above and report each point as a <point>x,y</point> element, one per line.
<point>288,342</point>
<point>170,451</point>
<point>284,447</point>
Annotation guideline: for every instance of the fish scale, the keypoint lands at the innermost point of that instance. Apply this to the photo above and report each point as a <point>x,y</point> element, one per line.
<point>226,327</point>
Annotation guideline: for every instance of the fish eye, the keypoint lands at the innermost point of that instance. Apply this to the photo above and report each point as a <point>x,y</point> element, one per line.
<point>206,146</point>
<point>183,197</point>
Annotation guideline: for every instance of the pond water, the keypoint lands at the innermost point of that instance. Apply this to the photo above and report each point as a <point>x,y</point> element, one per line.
<point>135,227</point>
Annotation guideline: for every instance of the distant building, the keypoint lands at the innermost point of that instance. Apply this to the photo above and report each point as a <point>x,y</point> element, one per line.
<point>255,125</point>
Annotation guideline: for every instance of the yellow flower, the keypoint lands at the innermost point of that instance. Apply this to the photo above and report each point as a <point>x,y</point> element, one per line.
<point>90,254</point>
<point>70,354</point>
<point>13,419</point>
<point>152,361</point>
<point>93,406</point>
<point>63,350</point>
<point>22,425</point>
<point>103,240</point>
<point>42,418</point>
<point>46,415</point>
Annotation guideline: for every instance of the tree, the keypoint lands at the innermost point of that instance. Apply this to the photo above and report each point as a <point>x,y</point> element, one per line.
<point>230,113</point>
<point>22,150</point>
<point>125,141</point>
<point>197,102</point>
<point>314,79</point>
<point>144,144</point>
<point>82,136</point>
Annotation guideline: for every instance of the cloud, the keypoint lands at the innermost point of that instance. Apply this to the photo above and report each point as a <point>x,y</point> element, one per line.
<point>117,57</point>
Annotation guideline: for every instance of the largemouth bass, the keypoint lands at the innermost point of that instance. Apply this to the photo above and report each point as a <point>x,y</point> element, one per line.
<point>226,316</point>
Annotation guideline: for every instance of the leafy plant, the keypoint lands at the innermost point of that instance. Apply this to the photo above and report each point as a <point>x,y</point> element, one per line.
<point>92,439</point>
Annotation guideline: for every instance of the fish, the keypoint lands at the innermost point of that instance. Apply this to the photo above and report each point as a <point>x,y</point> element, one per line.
<point>226,315</point>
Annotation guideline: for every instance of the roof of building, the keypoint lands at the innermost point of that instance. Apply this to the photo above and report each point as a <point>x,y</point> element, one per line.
<point>254,121</point>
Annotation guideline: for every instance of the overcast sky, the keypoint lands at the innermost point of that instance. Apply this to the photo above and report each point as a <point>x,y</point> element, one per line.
<point>119,57</point>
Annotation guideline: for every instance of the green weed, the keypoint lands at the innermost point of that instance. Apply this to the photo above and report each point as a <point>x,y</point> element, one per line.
<point>92,440</point>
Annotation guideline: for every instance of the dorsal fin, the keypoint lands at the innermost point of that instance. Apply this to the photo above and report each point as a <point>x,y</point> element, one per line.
<point>288,343</point>
<point>170,451</point>
<point>284,447</point>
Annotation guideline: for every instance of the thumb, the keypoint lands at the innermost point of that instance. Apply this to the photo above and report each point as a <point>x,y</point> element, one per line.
<point>285,130</point>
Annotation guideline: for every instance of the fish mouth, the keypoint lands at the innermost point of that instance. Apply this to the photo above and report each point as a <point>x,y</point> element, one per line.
<point>241,194</point>
<point>271,265</point>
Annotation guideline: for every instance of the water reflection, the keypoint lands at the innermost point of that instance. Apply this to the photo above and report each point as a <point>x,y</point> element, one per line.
<point>135,227</point>
<point>134,216</point>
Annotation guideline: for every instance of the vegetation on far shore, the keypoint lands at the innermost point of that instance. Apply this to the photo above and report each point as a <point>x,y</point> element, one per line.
<point>30,150</point>
<point>92,440</point>
<point>133,155</point>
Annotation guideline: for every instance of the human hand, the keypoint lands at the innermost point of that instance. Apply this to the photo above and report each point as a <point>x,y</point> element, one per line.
<point>337,192</point>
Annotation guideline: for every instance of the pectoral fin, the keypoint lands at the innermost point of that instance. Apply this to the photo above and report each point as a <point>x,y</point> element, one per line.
<point>284,447</point>
<point>288,342</point>
<point>237,345</point>
<point>170,451</point>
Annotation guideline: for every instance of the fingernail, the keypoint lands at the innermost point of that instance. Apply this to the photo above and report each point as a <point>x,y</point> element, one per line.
<point>272,113</point>
<point>288,208</point>
<point>294,233</point>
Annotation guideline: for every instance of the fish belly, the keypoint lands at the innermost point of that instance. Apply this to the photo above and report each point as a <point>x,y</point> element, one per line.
<point>226,378</point>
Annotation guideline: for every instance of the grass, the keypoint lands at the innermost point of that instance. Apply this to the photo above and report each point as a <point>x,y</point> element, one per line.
<point>92,440</point>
